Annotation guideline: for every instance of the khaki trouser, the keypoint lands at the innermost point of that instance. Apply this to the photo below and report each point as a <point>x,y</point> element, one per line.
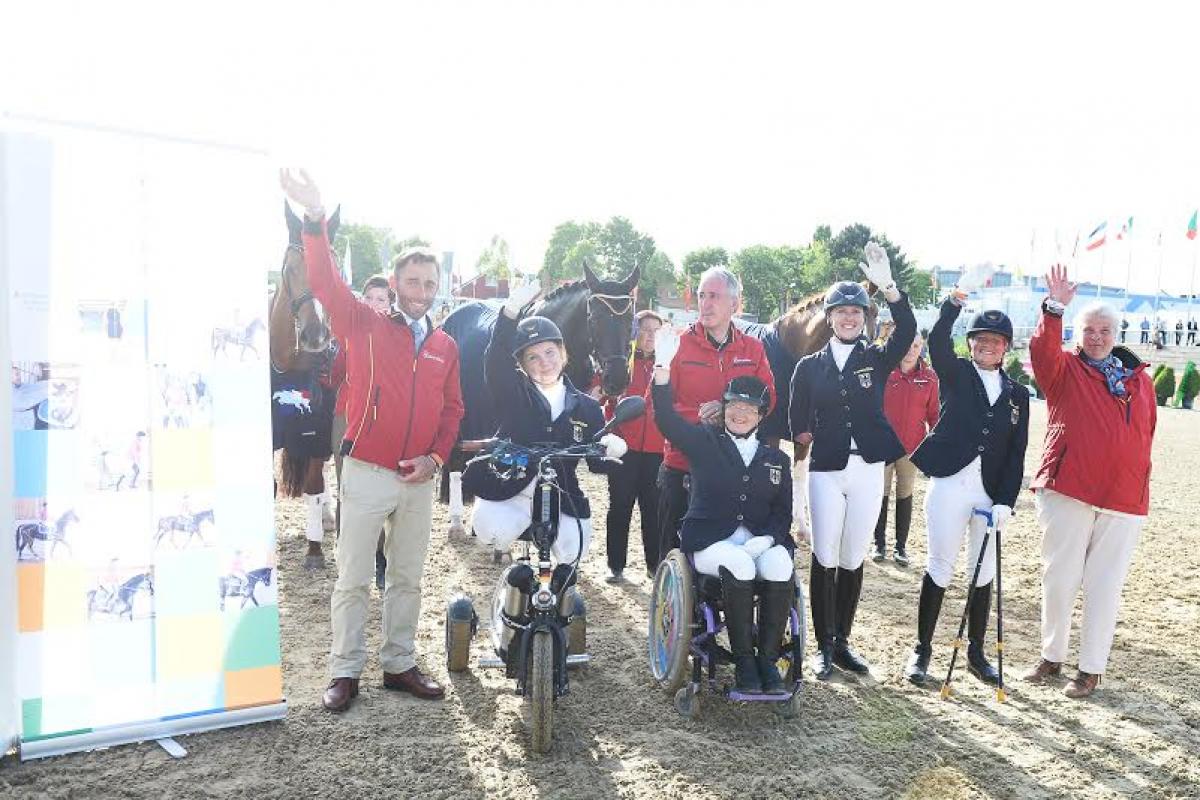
<point>906,476</point>
<point>1082,546</point>
<point>373,495</point>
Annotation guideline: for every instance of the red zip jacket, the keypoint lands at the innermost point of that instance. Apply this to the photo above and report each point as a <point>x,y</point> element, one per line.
<point>398,405</point>
<point>910,403</point>
<point>1097,445</point>
<point>700,372</point>
<point>336,379</point>
<point>641,434</point>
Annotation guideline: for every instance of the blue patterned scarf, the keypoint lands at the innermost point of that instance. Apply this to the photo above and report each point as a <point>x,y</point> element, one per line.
<point>1115,373</point>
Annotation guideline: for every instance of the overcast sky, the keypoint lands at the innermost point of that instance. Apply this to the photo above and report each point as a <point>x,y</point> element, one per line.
<point>963,134</point>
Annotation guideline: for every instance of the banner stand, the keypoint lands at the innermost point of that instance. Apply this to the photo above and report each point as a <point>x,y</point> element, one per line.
<point>124,734</point>
<point>10,719</point>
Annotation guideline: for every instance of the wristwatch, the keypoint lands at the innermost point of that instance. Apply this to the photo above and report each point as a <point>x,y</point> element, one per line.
<point>1053,307</point>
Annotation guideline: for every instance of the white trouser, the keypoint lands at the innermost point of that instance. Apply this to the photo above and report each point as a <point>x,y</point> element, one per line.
<point>845,508</point>
<point>1082,546</point>
<point>498,523</point>
<point>746,557</point>
<point>950,504</point>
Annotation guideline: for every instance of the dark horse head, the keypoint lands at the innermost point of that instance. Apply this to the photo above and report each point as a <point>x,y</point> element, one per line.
<point>298,328</point>
<point>596,317</point>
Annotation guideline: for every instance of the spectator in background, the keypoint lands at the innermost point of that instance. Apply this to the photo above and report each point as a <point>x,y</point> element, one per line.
<point>1124,327</point>
<point>910,402</point>
<point>1145,326</point>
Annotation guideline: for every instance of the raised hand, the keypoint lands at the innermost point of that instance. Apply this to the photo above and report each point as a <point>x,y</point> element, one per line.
<point>974,278</point>
<point>1000,517</point>
<point>521,296</point>
<point>666,345</point>
<point>300,189</point>
<point>1059,288</point>
<point>877,268</point>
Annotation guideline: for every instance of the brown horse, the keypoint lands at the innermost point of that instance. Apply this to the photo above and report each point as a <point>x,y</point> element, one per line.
<point>299,343</point>
<point>798,332</point>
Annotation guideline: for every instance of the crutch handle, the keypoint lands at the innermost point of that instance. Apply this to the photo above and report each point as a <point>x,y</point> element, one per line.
<point>986,513</point>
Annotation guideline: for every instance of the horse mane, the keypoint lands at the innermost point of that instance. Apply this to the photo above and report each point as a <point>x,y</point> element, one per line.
<point>566,288</point>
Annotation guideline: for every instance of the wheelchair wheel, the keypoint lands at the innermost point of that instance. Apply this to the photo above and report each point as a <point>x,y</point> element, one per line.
<point>788,709</point>
<point>687,702</point>
<point>671,610</point>
<point>541,691</point>
<point>800,637</point>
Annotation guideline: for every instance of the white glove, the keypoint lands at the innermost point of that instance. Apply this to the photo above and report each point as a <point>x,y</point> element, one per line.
<point>800,500</point>
<point>666,345</point>
<point>758,545</point>
<point>1000,517</point>
<point>301,190</point>
<point>519,297</point>
<point>975,277</point>
<point>614,446</point>
<point>877,269</point>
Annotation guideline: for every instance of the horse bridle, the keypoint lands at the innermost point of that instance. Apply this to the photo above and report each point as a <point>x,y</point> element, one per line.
<point>618,305</point>
<point>296,303</point>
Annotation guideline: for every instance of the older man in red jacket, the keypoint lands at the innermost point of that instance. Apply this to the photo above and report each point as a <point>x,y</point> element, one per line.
<point>403,408</point>
<point>1093,487</point>
<point>910,403</point>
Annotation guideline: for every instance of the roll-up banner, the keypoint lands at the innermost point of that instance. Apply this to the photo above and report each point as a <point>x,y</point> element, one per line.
<point>142,525</point>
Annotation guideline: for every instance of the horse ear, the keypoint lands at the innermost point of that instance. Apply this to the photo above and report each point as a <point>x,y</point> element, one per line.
<point>593,283</point>
<point>293,223</point>
<point>335,220</point>
<point>630,283</point>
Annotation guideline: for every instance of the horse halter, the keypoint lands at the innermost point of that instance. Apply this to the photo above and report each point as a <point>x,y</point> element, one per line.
<point>296,303</point>
<point>619,305</point>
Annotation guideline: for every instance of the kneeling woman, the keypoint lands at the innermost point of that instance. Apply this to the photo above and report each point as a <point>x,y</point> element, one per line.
<point>537,404</point>
<point>738,518</point>
<point>975,459</point>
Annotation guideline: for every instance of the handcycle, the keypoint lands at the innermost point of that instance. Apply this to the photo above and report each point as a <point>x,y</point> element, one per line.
<point>538,615</point>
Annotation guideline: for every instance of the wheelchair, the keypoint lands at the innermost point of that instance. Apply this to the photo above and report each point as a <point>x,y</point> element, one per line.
<point>685,618</point>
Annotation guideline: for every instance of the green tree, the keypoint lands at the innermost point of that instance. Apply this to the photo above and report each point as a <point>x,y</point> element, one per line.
<point>494,261</point>
<point>657,273</point>
<point>369,249</point>
<point>570,245</point>
<point>846,250</point>
<point>412,241</point>
<point>611,250</point>
<point>695,262</point>
<point>769,276</point>
<point>622,247</point>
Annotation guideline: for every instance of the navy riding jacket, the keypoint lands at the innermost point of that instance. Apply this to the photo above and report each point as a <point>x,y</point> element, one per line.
<point>725,492</point>
<point>525,419</point>
<point>969,425</point>
<point>834,405</point>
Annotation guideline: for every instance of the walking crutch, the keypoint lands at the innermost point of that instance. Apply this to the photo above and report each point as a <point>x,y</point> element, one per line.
<point>1000,695</point>
<point>962,623</point>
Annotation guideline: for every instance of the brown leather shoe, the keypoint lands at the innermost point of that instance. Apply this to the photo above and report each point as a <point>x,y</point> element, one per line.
<point>1082,685</point>
<point>339,694</point>
<point>414,682</point>
<point>1043,670</point>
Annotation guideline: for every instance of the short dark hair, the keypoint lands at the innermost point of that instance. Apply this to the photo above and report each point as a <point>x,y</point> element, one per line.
<point>379,281</point>
<point>416,255</point>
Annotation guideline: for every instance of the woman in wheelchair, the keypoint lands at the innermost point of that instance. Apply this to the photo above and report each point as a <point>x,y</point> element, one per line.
<point>738,518</point>
<point>537,404</point>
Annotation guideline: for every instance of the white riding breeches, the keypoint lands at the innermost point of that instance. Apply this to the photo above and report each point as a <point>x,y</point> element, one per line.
<point>498,523</point>
<point>746,557</point>
<point>950,505</point>
<point>845,506</point>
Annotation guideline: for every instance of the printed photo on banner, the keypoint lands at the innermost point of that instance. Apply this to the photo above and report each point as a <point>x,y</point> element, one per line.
<point>112,329</point>
<point>45,396</point>
<point>44,530</point>
<point>116,438</point>
<point>240,336</point>
<point>183,521</point>
<point>180,398</point>
<point>120,591</point>
<point>247,579</point>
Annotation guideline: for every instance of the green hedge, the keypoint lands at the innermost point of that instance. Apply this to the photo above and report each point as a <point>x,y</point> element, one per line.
<point>1164,384</point>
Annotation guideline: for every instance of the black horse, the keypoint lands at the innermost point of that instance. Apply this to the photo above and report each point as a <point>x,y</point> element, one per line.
<point>120,602</point>
<point>30,532</point>
<point>596,320</point>
<point>237,586</point>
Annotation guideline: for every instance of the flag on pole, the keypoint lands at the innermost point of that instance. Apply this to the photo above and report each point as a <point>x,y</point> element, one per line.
<point>1191,231</point>
<point>347,272</point>
<point>1126,229</point>
<point>1075,249</point>
<point>1095,239</point>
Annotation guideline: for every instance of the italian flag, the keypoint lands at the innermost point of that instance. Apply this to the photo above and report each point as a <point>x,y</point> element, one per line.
<point>1096,237</point>
<point>1191,231</point>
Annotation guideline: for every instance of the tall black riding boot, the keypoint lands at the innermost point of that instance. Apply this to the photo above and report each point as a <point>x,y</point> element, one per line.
<point>881,531</point>
<point>739,626</point>
<point>903,523</point>
<point>774,607</point>
<point>821,587</point>
<point>930,605</point>
<point>849,587</point>
<point>977,622</point>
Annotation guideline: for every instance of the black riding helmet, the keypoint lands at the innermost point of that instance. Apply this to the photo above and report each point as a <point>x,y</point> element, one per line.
<point>846,293</point>
<point>534,330</point>
<point>748,389</point>
<point>992,321</point>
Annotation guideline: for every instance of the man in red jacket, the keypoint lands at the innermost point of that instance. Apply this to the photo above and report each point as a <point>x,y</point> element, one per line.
<point>634,478</point>
<point>711,354</point>
<point>910,403</point>
<point>403,407</point>
<point>1093,487</point>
